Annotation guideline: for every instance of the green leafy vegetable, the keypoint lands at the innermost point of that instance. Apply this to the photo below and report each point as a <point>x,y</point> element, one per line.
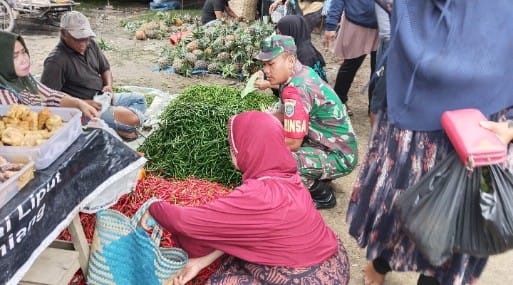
<point>192,137</point>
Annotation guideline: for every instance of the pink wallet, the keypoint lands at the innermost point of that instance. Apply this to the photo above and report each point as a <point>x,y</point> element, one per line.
<point>476,146</point>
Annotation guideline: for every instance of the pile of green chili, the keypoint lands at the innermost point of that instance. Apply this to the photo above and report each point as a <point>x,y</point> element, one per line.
<point>191,140</point>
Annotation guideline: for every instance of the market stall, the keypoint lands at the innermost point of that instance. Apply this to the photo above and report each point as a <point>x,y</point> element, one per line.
<point>90,174</point>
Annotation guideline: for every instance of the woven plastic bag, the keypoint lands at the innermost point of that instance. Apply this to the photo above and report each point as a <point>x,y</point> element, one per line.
<point>485,222</point>
<point>429,209</point>
<point>123,253</point>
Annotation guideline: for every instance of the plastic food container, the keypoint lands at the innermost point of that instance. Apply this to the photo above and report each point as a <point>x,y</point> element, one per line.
<point>14,184</point>
<point>44,154</point>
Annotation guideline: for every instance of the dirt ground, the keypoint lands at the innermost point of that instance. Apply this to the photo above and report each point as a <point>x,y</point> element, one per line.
<point>133,63</point>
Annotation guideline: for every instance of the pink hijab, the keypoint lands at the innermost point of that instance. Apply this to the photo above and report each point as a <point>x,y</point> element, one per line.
<point>257,140</point>
<point>270,219</point>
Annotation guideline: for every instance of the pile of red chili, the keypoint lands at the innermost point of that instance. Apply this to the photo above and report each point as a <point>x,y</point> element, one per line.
<point>190,192</point>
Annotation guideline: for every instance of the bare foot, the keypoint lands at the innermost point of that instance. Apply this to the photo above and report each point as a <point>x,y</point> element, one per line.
<point>371,277</point>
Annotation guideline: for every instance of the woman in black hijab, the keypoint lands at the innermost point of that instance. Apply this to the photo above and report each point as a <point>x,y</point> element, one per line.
<point>18,86</point>
<point>296,27</point>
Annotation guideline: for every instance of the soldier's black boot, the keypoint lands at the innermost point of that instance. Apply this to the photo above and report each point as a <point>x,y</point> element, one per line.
<point>323,194</point>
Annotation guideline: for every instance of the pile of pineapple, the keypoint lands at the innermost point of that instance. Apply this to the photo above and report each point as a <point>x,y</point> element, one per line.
<point>160,25</point>
<point>226,48</point>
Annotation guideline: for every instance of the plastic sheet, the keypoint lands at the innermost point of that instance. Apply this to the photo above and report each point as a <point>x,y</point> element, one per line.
<point>452,209</point>
<point>485,221</point>
<point>429,209</point>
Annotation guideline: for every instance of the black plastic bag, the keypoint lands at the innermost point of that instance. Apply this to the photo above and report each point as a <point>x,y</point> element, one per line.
<point>429,209</point>
<point>453,209</point>
<point>485,221</point>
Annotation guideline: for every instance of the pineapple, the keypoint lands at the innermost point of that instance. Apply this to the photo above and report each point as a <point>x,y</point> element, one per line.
<point>228,44</point>
<point>193,45</point>
<point>201,64</point>
<point>190,57</point>
<point>163,62</point>
<point>207,52</point>
<point>213,67</point>
<point>223,56</point>
<point>218,44</point>
<point>177,22</point>
<point>151,33</point>
<point>198,53</point>
<point>177,64</point>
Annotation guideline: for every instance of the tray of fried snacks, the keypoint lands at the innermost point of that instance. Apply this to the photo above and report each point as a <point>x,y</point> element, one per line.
<point>42,133</point>
<point>15,172</point>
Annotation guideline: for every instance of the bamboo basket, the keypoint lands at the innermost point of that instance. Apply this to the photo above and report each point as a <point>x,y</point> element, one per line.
<point>244,8</point>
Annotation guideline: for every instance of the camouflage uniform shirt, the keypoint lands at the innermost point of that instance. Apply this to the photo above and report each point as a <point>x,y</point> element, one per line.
<point>313,111</point>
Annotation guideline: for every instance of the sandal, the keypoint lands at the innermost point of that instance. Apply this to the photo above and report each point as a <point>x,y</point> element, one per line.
<point>371,276</point>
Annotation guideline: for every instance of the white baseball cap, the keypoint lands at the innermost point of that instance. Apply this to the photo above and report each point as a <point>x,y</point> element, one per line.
<point>77,25</point>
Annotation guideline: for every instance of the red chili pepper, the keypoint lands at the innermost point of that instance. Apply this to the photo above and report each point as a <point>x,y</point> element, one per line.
<point>187,193</point>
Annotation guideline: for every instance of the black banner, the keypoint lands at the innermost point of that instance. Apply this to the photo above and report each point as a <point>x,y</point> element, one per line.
<point>39,212</point>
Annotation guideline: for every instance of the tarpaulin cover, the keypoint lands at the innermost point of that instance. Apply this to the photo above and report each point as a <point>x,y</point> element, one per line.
<point>47,204</point>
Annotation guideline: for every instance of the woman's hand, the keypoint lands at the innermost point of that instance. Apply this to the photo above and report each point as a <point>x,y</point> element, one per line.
<point>274,6</point>
<point>191,269</point>
<point>504,130</point>
<point>88,111</point>
<point>329,36</point>
<point>87,107</point>
<point>97,106</point>
<point>194,266</point>
<point>147,222</point>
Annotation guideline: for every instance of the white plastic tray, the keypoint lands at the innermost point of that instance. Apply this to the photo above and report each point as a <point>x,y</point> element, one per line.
<point>9,188</point>
<point>44,154</point>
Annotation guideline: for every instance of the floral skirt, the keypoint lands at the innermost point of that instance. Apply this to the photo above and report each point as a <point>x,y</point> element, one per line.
<point>334,271</point>
<point>397,159</point>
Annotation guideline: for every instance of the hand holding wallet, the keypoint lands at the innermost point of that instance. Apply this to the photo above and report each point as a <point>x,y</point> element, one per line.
<point>475,145</point>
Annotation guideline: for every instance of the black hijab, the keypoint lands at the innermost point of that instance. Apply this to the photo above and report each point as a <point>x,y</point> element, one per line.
<point>296,27</point>
<point>8,78</point>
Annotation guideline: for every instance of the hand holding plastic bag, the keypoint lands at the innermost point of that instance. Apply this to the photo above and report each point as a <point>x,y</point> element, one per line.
<point>485,222</point>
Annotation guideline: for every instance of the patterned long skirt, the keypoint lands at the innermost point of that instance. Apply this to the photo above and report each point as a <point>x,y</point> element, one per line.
<point>397,159</point>
<point>234,271</point>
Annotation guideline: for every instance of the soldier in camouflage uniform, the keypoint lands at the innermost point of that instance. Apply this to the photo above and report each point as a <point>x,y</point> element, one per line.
<point>316,123</point>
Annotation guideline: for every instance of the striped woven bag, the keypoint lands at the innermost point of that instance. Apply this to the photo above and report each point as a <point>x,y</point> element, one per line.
<point>123,253</point>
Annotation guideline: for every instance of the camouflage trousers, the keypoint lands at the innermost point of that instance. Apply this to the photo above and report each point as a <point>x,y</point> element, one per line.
<point>318,164</point>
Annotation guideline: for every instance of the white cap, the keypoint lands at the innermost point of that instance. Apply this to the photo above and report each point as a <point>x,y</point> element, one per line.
<point>77,25</point>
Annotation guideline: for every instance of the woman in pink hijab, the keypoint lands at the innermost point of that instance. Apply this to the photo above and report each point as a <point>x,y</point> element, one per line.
<point>268,227</point>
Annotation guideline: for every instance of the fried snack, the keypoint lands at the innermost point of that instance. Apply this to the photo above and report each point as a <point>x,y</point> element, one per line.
<point>32,138</point>
<point>3,160</point>
<point>53,123</point>
<point>32,119</point>
<point>17,111</point>
<point>42,117</point>
<point>12,136</point>
<point>10,121</point>
<point>8,174</point>
<point>22,125</point>
<point>45,134</point>
<point>11,166</point>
